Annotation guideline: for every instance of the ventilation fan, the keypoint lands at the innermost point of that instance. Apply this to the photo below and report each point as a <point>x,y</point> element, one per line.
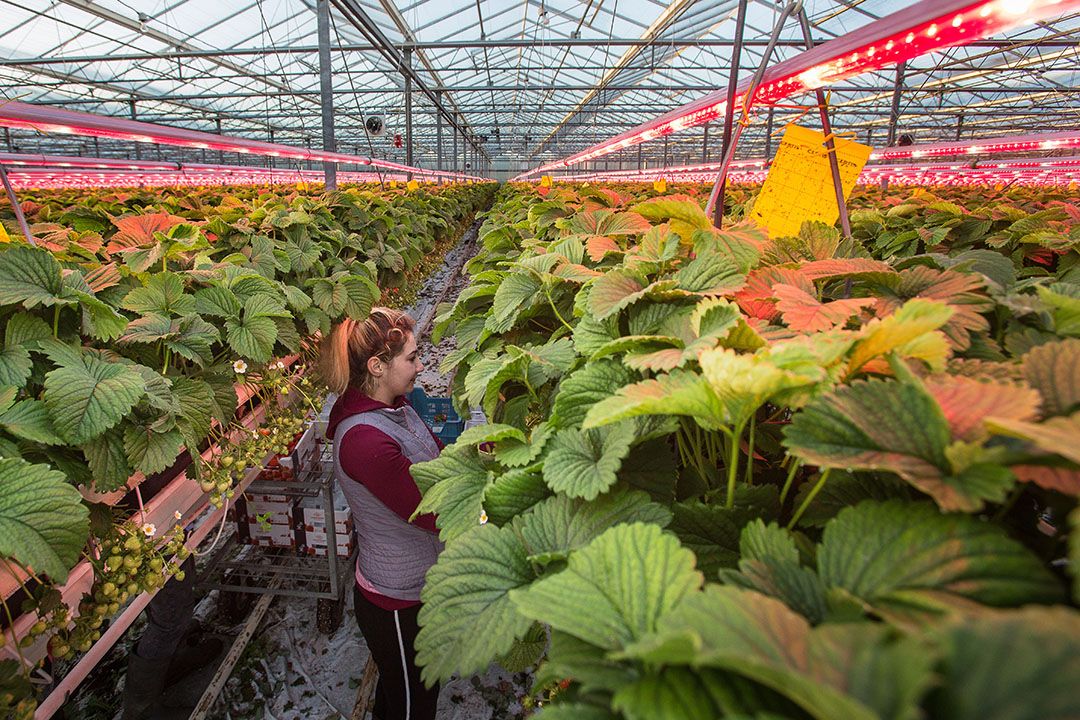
<point>375,125</point>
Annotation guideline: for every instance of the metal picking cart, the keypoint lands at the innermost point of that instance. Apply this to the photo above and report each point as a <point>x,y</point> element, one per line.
<point>239,568</point>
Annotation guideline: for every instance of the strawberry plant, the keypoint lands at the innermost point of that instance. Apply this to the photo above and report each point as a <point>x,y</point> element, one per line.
<point>728,474</point>
<point>127,334</point>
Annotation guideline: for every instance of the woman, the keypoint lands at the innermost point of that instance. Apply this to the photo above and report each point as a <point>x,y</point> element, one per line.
<point>377,436</point>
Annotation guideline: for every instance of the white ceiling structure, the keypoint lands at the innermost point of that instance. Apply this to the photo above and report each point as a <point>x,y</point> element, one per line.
<point>531,80</point>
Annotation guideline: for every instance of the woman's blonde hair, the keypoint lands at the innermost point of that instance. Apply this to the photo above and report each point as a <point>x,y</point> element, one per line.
<point>345,352</point>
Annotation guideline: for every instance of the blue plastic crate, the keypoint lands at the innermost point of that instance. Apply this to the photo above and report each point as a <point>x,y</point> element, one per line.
<point>448,426</point>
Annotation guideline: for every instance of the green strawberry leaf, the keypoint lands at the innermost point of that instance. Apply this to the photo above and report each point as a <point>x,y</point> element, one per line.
<point>89,396</point>
<point>467,619</point>
<point>896,555</point>
<point>585,463</point>
<point>43,522</point>
<point>29,419</point>
<point>614,589</point>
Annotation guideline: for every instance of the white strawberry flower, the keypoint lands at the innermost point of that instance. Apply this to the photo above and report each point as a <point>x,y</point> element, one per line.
<point>239,367</point>
<point>149,530</point>
<point>483,517</point>
<point>177,514</point>
<point>280,365</point>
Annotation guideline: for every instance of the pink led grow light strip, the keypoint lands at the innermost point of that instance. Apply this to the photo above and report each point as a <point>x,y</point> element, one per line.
<point>70,122</point>
<point>1056,170</point>
<point>919,29</point>
<point>85,178</point>
<point>1016,143</point>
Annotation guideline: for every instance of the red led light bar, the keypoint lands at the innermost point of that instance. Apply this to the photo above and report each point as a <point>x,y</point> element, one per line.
<point>47,179</point>
<point>1039,171</point>
<point>1016,143</point>
<point>44,119</point>
<point>923,27</point>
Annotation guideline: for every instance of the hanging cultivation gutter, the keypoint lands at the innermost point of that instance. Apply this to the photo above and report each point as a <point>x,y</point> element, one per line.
<point>15,114</point>
<point>922,28</point>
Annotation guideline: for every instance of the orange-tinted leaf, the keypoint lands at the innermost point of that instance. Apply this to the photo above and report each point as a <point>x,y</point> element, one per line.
<point>1056,435</point>
<point>51,236</point>
<point>964,292</point>
<point>138,230</point>
<point>838,267</point>
<point>756,297</point>
<point>600,245</point>
<point>1054,370</point>
<point>606,222</point>
<point>576,273</point>
<point>1063,480</point>
<point>967,402</point>
<point>802,311</point>
<point>103,277</point>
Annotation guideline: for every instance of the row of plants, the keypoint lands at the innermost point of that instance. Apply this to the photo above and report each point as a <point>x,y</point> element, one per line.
<point>128,333</point>
<point>732,475</point>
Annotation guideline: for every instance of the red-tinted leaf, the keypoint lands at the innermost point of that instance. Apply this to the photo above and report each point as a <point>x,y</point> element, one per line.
<point>838,267</point>
<point>802,311</point>
<point>1062,480</point>
<point>966,402</point>
<point>103,277</point>
<point>964,292</point>
<point>756,297</point>
<point>138,230</point>
<point>600,245</point>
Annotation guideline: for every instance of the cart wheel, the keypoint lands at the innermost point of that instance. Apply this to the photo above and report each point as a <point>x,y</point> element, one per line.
<point>328,614</point>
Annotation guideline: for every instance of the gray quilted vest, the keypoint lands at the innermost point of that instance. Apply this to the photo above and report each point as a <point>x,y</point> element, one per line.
<point>394,555</point>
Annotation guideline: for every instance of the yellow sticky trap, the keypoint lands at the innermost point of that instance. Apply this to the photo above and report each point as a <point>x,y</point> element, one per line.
<point>393,183</point>
<point>412,185</point>
<point>660,185</point>
<point>4,237</point>
<point>545,181</point>
<point>302,186</point>
<point>999,187</point>
<point>799,185</point>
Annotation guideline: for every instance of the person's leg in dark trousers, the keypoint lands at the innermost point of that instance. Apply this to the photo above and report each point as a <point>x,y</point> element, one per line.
<point>391,636</point>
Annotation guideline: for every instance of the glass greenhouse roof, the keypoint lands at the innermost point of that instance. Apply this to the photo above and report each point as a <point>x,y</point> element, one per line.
<point>533,80</point>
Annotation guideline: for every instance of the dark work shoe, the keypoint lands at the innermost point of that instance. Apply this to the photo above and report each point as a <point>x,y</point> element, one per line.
<point>192,656</point>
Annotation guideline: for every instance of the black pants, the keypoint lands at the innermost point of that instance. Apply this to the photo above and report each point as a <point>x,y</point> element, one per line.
<point>168,616</point>
<point>390,636</point>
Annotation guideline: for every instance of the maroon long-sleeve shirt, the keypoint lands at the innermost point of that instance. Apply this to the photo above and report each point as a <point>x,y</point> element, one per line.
<point>372,458</point>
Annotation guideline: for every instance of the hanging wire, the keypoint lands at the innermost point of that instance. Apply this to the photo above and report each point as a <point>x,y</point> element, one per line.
<point>356,100</point>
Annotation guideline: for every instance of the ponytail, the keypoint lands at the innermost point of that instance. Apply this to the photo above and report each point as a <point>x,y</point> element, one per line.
<point>345,352</point>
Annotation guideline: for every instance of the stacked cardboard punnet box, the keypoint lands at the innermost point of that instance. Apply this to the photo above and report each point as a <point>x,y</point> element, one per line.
<point>280,519</point>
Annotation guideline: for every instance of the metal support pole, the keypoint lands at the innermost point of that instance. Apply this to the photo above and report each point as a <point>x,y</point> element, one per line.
<point>640,147</point>
<point>705,145</point>
<point>326,88</point>
<point>438,138</point>
<point>138,150</point>
<point>826,127</point>
<point>665,152</point>
<point>729,139</point>
<point>407,60</point>
<point>7,139</point>
<point>16,206</point>
<point>729,152</point>
<point>959,124</point>
<point>220,155</point>
<point>454,157</point>
<point>768,135</point>
<point>894,111</point>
